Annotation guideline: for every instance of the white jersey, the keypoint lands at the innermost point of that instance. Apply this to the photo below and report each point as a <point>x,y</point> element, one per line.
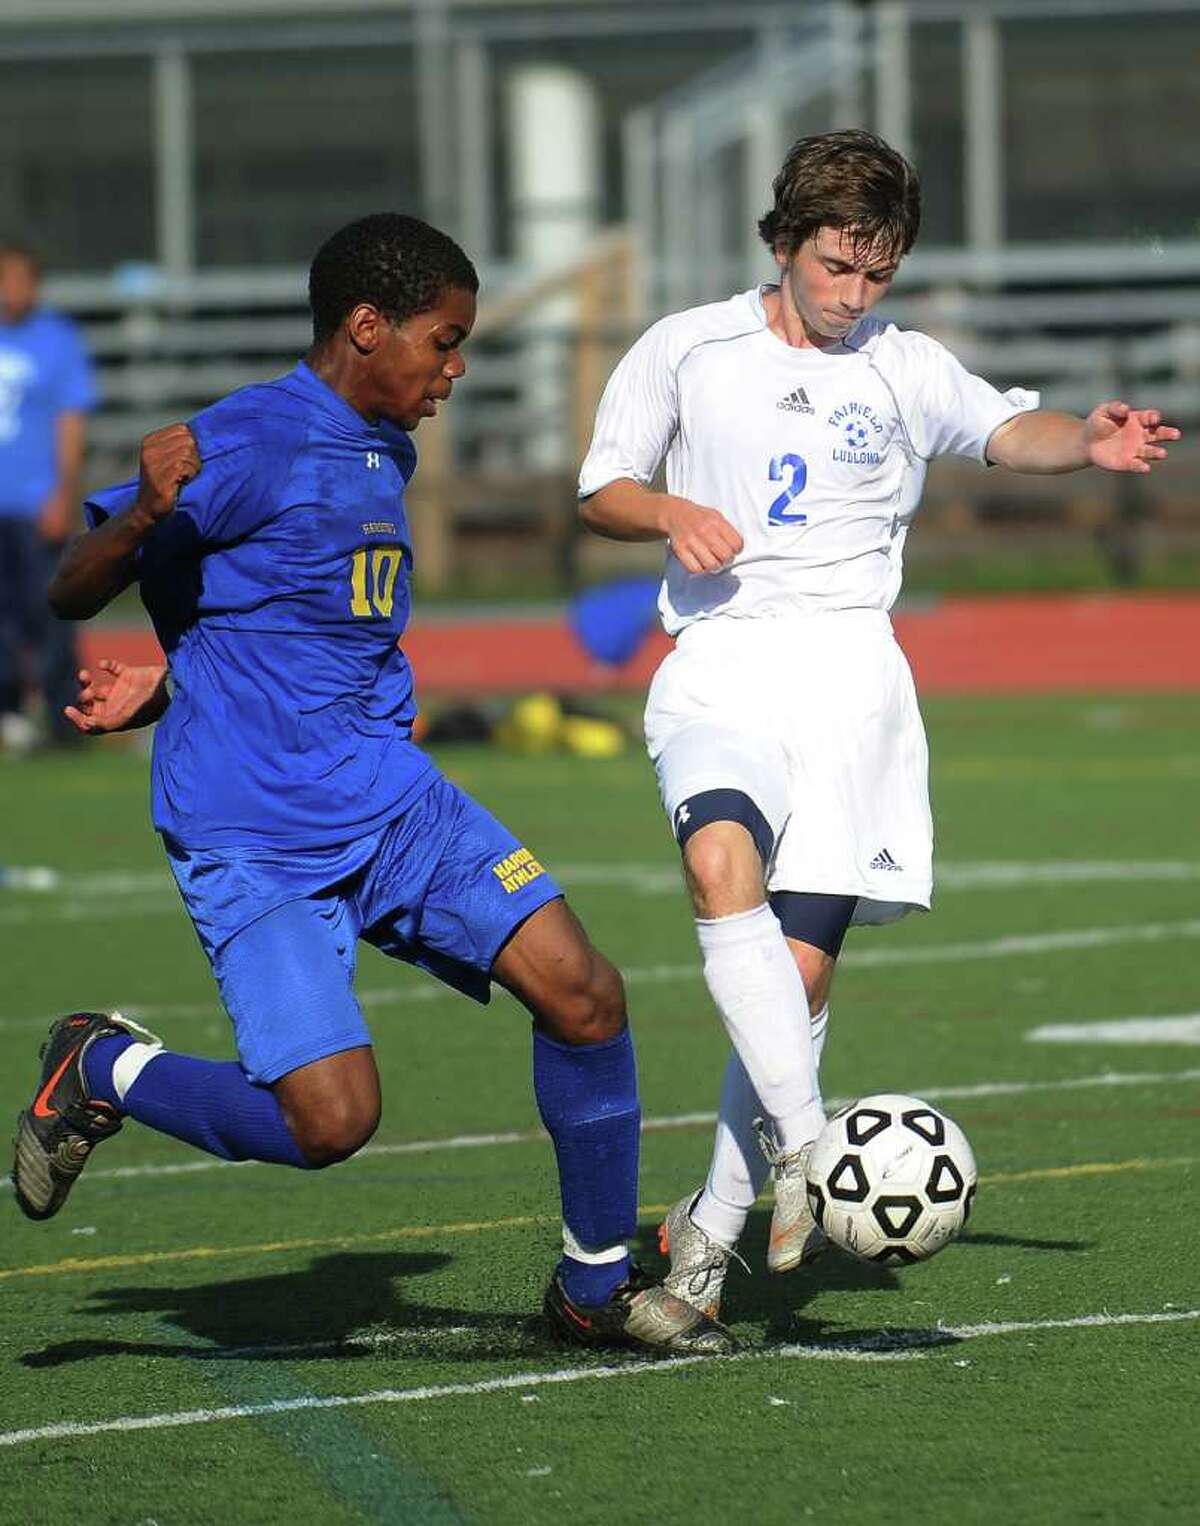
<point>817,457</point>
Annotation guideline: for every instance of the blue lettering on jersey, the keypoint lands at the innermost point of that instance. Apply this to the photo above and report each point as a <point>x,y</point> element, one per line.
<point>850,417</point>
<point>797,476</point>
<point>859,429</point>
<point>279,588</point>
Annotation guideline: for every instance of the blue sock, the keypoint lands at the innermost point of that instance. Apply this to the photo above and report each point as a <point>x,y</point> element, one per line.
<point>588,1098</point>
<point>207,1103</point>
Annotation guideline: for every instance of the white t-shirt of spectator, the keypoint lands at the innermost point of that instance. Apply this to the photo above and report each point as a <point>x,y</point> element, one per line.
<point>816,456</point>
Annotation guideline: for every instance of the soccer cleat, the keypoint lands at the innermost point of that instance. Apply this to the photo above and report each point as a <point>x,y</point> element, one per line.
<point>698,1263</point>
<point>796,1237</point>
<point>641,1312</point>
<point>61,1127</point>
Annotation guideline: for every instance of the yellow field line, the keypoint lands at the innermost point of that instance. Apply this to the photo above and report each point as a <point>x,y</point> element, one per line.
<point>270,1247</point>
<point>524,1221</point>
<point>1091,1168</point>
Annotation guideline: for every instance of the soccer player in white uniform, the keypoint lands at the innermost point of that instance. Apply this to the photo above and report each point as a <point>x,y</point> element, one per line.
<point>784,728</point>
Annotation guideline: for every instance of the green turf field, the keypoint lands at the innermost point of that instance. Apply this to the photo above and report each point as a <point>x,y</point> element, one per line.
<point>195,1343</point>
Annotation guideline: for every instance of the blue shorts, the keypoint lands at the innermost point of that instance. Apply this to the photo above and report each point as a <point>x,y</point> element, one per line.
<point>444,886</point>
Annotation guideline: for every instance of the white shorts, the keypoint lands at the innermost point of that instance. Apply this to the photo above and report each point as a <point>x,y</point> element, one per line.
<point>814,717</point>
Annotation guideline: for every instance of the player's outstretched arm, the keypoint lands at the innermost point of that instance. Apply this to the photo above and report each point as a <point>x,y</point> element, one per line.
<point>702,538</point>
<point>118,697</point>
<point>98,565</point>
<point>1114,436</point>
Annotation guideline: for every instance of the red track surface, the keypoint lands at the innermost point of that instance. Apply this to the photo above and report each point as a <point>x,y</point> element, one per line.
<point>961,646</point>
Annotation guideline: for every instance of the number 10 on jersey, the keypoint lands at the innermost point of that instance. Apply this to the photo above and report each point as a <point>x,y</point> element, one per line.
<point>793,470</point>
<point>373,573</point>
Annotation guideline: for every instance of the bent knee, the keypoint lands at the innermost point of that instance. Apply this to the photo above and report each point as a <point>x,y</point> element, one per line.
<point>333,1134</point>
<point>724,870</point>
<point>711,857</point>
<point>590,1006</point>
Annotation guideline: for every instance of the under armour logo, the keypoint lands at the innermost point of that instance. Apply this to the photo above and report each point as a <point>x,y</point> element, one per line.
<point>372,460</point>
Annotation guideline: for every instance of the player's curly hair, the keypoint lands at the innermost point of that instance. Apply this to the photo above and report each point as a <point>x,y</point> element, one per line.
<point>397,263</point>
<point>851,180</point>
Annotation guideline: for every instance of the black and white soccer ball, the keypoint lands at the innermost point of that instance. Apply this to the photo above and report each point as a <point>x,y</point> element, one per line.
<point>891,1178</point>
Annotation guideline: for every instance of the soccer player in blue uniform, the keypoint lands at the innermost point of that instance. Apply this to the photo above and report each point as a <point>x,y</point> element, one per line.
<point>270,543</point>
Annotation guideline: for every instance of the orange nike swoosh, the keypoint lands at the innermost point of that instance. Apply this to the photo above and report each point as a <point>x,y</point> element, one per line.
<point>585,1324</point>
<point>40,1110</point>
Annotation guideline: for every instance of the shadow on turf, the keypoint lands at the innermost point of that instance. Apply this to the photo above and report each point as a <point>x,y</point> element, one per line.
<point>354,1305</point>
<point>343,1306</point>
<point>1024,1244</point>
<point>775,1304</point>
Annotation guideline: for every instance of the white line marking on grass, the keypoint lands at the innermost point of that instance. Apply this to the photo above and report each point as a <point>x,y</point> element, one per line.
<point>669,974</point>
<point>886,1346</point>
<point>1103,1321</point>
<point>652,1125</point>
<point>1032,943</point>
<point>994,875</point>
<point>1069,1083</point>
<point>372,1341</point>
<point>1121,1030</point>
<point>62,895</point>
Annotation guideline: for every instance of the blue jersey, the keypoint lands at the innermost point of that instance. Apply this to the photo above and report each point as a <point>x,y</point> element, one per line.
<point>44,372</point>
<point>279,588</point>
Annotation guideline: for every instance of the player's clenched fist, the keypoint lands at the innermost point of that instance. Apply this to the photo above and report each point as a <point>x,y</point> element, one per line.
<point>169,459</point>
<point>702,539</point>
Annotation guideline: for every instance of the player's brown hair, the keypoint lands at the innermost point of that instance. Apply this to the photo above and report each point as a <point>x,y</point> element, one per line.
<point>852,180</point>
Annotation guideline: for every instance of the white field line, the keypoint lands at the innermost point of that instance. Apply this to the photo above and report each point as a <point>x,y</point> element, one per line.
<point>1184,1029</point>
<point>655,1125</point>
<point>882,1347</point>
<point>47,894</point>
<point>1013,946</point>
<point>1018,944</point>
<point>370,1341</point>
<point>992,874</point>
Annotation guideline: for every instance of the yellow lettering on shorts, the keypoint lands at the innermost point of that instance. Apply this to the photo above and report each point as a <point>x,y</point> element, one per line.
<point>517,870</point>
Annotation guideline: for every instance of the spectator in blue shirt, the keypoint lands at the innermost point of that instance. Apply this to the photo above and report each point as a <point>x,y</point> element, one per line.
<point>46,390</point>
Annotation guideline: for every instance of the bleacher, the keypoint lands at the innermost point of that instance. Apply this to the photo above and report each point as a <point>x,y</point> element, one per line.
<point>1055,323</point>
<point>693,108</point>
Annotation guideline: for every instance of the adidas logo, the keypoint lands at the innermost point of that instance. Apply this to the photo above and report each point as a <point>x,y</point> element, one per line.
<point>884,860</point>
<point>796,402</point>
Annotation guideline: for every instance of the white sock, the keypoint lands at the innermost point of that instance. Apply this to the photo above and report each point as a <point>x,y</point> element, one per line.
<point>820,1029</point>
<point>759,993</point>
<point>739,1169</point>
<point>129,1065</point>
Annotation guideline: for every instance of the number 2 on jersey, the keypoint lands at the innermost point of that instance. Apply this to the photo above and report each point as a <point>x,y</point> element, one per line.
<point>798,468</point>
<point>373,572</point>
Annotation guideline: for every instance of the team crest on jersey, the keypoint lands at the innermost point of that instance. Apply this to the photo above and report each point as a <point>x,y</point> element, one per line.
<point>860,432</point>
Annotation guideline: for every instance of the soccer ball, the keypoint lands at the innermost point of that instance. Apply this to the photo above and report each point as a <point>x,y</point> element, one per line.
<point>890,1178</point>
